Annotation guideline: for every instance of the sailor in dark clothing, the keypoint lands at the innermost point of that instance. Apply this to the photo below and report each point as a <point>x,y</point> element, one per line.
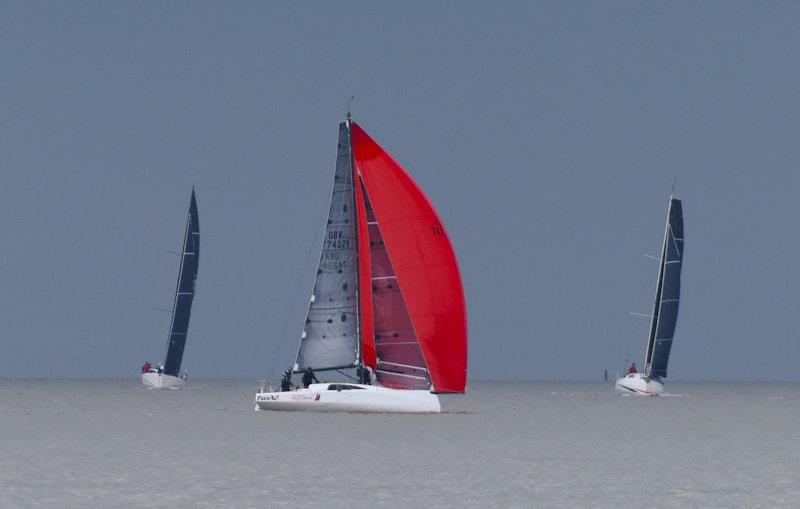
<point>309,377</point>
<point>286,381</point>
<point>363,374</point>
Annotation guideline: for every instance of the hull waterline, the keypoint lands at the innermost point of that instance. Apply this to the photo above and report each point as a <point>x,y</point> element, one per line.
<point>360,398</point>
<point>638,384</point>
<point>161,381</point>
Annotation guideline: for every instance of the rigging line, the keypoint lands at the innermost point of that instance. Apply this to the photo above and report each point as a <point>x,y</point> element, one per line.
<point>395,373</point>
<point>311,245</point>
<point>347,376</point>
<point>674,241</point>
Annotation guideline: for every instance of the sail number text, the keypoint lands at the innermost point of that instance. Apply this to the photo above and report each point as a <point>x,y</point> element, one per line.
<point>331,262</point>
<point>337,240</point>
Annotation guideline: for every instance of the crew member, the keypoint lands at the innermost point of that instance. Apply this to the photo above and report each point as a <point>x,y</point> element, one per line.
<point>364,375</point>
<point>632,369</point>
<point>286,381</point>
<point>146,367</point>
<point>309,377</point>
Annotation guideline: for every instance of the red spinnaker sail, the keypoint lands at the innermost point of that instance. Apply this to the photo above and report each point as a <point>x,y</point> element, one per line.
<point>400,363</point>
<point>423,260</point>
<point>367,323</point>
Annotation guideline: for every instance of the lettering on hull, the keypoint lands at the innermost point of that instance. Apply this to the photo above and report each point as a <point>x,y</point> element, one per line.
<point>305,397</point>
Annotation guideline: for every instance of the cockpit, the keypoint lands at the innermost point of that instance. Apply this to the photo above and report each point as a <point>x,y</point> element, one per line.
<point>344,387</point>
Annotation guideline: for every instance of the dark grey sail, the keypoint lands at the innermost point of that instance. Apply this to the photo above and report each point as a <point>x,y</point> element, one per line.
<point>184,292</point>
<point>668,290</point>
<point>330,336</point>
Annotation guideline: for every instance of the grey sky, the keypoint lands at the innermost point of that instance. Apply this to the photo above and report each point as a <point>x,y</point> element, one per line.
<point>546,134</point>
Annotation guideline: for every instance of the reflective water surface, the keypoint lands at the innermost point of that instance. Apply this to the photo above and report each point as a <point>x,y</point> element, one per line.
<point>111,443</point>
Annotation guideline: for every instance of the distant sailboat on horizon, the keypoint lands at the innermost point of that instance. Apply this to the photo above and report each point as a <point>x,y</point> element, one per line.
<point>650,381</point>
<point>387,314</point>
<point>168,374</point>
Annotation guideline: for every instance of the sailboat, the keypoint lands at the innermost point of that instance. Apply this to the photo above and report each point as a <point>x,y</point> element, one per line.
<point>387,313</point>
<point>650,382</point>
<point>168,374</point>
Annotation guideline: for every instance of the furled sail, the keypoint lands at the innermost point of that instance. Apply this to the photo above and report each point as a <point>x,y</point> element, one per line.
<point>330,336</point>
<point>184,293</point>
<point>668,289</point>
<point>421,259</point>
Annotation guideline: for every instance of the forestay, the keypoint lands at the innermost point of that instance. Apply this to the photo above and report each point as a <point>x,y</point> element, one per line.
<point>330,336</point>
<point>668,289</point>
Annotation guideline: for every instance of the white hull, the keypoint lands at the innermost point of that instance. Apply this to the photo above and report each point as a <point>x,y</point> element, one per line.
<point>639,384</point>
<point>161,381</point>
<point>365,398</point>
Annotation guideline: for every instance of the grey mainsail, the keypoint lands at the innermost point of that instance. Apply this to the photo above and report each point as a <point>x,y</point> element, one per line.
<point>668,289</point>
<point>330,336</point>
<point>184,292</point>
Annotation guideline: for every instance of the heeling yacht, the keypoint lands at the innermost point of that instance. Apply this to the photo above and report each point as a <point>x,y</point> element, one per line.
<point>387,313</point>
<point>650,382</point>
<point>168,374</point>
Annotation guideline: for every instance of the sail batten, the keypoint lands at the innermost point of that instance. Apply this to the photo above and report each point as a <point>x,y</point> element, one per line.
<point>184,292</point>
<point>665,309</point>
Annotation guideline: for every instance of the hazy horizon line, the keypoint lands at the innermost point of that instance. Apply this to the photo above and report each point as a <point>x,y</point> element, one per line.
<point>490,380</point>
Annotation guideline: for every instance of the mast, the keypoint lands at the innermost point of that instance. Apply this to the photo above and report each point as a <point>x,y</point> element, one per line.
<point>354,177</point>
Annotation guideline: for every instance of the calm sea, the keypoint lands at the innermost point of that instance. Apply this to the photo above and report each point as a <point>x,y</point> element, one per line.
<point>111,443</point>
